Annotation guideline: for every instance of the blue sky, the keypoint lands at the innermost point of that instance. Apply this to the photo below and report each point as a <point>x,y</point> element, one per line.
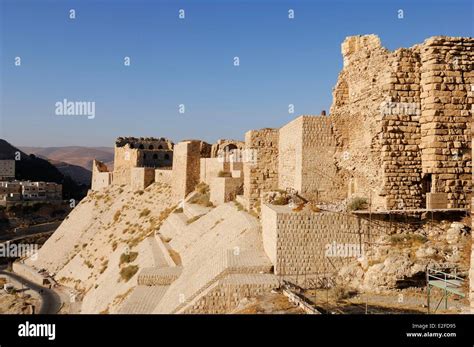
<point>188,62</point>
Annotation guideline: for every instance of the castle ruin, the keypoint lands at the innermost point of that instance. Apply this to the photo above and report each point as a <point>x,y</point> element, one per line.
<point>398,134</point>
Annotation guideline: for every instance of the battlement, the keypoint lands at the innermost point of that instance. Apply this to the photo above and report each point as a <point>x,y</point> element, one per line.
<point>145,143</point>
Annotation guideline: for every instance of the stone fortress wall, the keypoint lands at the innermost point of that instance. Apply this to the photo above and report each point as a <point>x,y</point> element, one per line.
<point>403,119</point>
<point>398,134</point>
<point>101,177</point>
<point>260,174</point>
<point>187,167</point>
<point>306,158</point>
<point>314,243</point>
<point>471,272</point>
<point>130,154</point>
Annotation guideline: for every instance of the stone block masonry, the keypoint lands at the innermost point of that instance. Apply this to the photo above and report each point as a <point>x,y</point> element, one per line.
<point>224,189</point>
<point>142,177</point>
<point>186,167</point>
<point>210,168</point>
<point>163,176</point>
<point>403,118</point>
<point>471,272</point>
<point>310,243</point>
<point>131,152</point>
<point>101,177</point>
<point>261,175</point>
<point>436,201</point>
<point>306,150</point>
<point>447,76</point>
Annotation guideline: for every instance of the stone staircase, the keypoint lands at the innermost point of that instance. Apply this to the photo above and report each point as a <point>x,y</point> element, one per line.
<point>196,281</point>
<point>143,299</point>
<point>153,276</point>
<point>225,294</point>
<point>153,282</point>
<point>173,225</point>
<point>194,210</point>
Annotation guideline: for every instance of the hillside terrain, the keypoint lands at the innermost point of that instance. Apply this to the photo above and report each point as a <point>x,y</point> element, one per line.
<point>131,252</point>
<point>32,168</point>
<point>74,155</point>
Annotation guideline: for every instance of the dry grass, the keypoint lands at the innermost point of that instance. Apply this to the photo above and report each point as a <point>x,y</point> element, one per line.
<point>201,196</point>
<point>144,213</point>
<point>239,206</point>
<point>128,272</point>
<point>224,174</point>
<point>192,220</point>
<point>128,257</point>
<point>408,240</point>
<point>117,216</point>
<point>357,203</point>
<point>105,264</point>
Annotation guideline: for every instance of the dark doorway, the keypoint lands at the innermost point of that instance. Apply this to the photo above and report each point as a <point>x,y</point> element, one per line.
<point>426,183</point>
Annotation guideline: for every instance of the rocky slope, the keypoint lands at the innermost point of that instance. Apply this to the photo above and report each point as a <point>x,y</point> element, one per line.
<point>101,246</point>
<point>400,260</point>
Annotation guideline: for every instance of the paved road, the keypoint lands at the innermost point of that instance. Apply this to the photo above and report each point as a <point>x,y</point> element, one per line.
<point>50,301</point>
<point>31,231</point>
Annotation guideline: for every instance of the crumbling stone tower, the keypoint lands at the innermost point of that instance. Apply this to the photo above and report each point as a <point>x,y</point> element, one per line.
<point>402,117</point>
<point>260,174</point>
<point>187,166</point>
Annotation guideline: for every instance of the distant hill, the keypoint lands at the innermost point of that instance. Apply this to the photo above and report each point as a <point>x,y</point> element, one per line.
<point>74,155</point>
<point>33,168</point>
<point>77,173</point>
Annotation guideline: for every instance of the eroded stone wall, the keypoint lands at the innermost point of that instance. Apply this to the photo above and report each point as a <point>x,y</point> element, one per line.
<point>446,78</point>
<point>101,177</point>
<point>186,167</point>
<point>319,179</point>
<point>399,136</point>
<point>164,176</point>
<point>401,120</point>
<point>260,174</point>
<point>357,97</point>
<point>471,272</point>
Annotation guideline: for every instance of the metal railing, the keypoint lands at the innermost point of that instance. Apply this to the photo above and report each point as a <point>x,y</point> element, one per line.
<point>450,283</point>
